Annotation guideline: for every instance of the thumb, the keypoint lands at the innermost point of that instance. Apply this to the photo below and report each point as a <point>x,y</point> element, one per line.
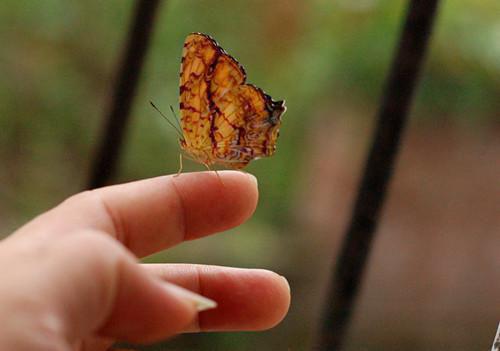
<point>111,295</point>
<point>92,286</point>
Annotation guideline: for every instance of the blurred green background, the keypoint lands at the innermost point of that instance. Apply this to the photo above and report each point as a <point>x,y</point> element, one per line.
<point>432,282</point>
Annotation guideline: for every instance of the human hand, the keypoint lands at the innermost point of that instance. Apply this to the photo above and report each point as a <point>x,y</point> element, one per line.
<point>71,279</point>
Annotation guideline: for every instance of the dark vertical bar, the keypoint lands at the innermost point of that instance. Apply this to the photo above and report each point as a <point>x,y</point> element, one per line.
<point>107,154</point>
<point>391,120</point>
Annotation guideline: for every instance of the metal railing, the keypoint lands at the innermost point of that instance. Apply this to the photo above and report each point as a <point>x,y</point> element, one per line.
<point>116,121</point>
<point>392,116</point>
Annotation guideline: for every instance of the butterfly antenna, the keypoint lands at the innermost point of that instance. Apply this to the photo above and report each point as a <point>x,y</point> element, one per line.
<point>175,115</point>
<point>168,121</point>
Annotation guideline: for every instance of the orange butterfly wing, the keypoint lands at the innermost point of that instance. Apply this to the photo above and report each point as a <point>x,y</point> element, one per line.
<point>223,120</point>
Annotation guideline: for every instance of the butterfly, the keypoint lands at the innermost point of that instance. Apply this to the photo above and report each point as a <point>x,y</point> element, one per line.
<point>223,120</point>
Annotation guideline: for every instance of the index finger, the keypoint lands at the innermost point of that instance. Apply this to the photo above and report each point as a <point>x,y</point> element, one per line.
<point>153,214</point>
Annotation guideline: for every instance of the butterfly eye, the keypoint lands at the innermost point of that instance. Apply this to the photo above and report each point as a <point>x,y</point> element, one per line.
<point>274,117</point>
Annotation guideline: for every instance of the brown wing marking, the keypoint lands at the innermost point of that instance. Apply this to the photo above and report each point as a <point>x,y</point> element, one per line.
<point>247,126</point>
<point>223,119</point>
<point>199,54</point>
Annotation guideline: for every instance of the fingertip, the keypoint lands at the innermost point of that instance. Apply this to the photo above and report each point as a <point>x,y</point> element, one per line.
<point>229,199</point>
<point>249,300</point>
<point>253,179</point>
<point>276,300</point>
<point>284,298</point>
<point>243,192</point>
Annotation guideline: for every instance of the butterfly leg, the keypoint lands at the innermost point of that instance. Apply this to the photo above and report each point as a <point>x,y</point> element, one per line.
<point>216,173</point>
<point>180,166</point>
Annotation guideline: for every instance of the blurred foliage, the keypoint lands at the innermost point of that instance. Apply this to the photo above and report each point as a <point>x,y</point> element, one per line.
<point>58,59</point>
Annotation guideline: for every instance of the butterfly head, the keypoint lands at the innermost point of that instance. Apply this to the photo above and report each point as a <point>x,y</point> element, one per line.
<point>276,109</point>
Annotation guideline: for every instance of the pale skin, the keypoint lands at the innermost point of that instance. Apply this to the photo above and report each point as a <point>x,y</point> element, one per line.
<point>71,279</point>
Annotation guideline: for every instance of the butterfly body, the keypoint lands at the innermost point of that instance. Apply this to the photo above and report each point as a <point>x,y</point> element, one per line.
<point>224,120</point>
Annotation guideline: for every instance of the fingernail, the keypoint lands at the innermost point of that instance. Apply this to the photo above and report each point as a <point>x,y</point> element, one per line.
<point>253,179</point>
<point>286,282</point>
<point>200,302</point>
